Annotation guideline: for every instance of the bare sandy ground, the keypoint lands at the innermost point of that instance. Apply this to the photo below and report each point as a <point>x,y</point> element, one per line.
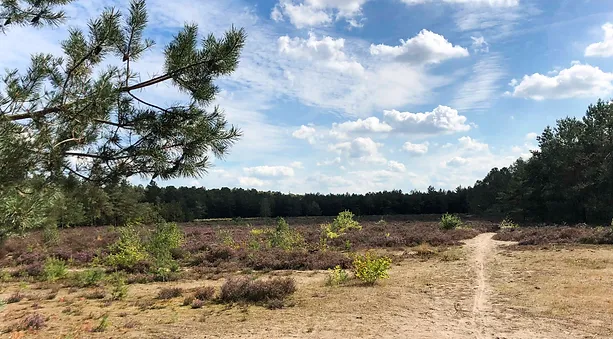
<point>485,293</point>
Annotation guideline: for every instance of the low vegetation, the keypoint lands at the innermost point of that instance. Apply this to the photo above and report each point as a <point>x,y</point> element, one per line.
<point>245,289</point>
<point>369,267</point>
<point>450,222</point>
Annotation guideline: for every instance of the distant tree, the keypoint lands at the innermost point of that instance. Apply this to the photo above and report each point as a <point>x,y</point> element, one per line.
<point>265,210</point>
<point>313,209</point>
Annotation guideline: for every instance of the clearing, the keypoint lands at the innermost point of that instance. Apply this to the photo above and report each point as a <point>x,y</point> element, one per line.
<point>482,289</point>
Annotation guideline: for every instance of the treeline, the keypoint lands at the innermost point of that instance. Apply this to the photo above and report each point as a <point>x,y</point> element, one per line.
<point>569,179</point>
<point>85,204</point>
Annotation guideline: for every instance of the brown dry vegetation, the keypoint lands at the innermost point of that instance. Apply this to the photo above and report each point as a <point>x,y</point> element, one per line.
<point>486,289</point>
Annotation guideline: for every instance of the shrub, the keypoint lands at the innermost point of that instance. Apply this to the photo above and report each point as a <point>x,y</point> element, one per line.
<point>97,294</point>
<point>449,221</point>
<point>507,224</point>
<point>166,238</point>
<point>119,289</point>
<point>54,269</point>
<point>88,278</point>
<point>339,226</point>
<point>225,237</point>
<point>170,293</point>
<point>197,303</point>
<point>128,250</point>
<point>369,267</point>
<point>256,291</point>
<point>15,298</point>
<point>205,293</point>
<point>34,321</point>
<point>284,237</point>
<point>2,304</point>
<point>188,300</point>
<point>425,250</point>
<point>337,276</point>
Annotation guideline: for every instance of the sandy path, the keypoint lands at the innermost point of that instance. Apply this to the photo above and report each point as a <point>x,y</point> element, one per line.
<point>482,247</point>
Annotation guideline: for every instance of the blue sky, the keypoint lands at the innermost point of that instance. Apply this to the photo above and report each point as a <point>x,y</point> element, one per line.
<point>358,95</point>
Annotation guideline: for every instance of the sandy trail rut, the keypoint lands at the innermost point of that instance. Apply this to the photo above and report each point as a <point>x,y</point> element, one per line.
<point>482,247</point>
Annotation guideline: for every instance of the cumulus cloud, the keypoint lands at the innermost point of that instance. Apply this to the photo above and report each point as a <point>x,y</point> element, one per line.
<point>250,182</point>
<point>396,166</point>
<point>326,51</point>
<point>577,81</point>
<point>269,171</point>
<point>296,164</point>
<point>425,48</point>
<point>364,149</point>
<point>470,144</point>
<point>368,125</point>
<point>312,13</point>
<point>457,162</point>
<point>531,136</point>
<point>307,133</point>
<point>415,149</point>
<point>603,48</point>
<point>442,120</point>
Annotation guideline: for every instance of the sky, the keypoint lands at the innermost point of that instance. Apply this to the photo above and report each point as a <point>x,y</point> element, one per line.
<point>357,96</point>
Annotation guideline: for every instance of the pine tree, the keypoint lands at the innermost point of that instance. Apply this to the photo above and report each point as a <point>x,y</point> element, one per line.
<point>36,13</point>
<point>76,114</point>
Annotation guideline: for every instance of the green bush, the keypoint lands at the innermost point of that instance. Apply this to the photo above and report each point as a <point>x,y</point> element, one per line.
<point>128,250</point>
<point>284,237</point>
<point>54,269</point>
<point>339,226</point>
<point>119,288</point>
<point>449,221</point>
<point>508,224</point>
<point>369,267</point>
<point>88,278</point>
<point>337,276</point>
<point>166,238</point>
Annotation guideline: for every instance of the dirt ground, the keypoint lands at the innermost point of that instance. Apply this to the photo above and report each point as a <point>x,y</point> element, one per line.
<point>485,289</point>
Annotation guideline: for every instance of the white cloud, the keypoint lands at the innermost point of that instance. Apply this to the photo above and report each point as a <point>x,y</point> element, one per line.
<point>478,92</point>
<point>300,15</point>
<point>457,161</point>
<point>312,13</point>
<point>364,149</point>
<point>531,136</point>
<point>574,82</point>
<point>396,166</point>
<point>334,161</point>
<point>442,120</point>
<point>470,144</point>
<point>368,125</point>
<point>251,182</point>
<point>307,133</point>
<point>603,48</point>
<point>327,52</point>
<point>425,48</point>
<point>480,45</point>
<point>269,171</point>
<point>416,149</point>
<point>296,164</point>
